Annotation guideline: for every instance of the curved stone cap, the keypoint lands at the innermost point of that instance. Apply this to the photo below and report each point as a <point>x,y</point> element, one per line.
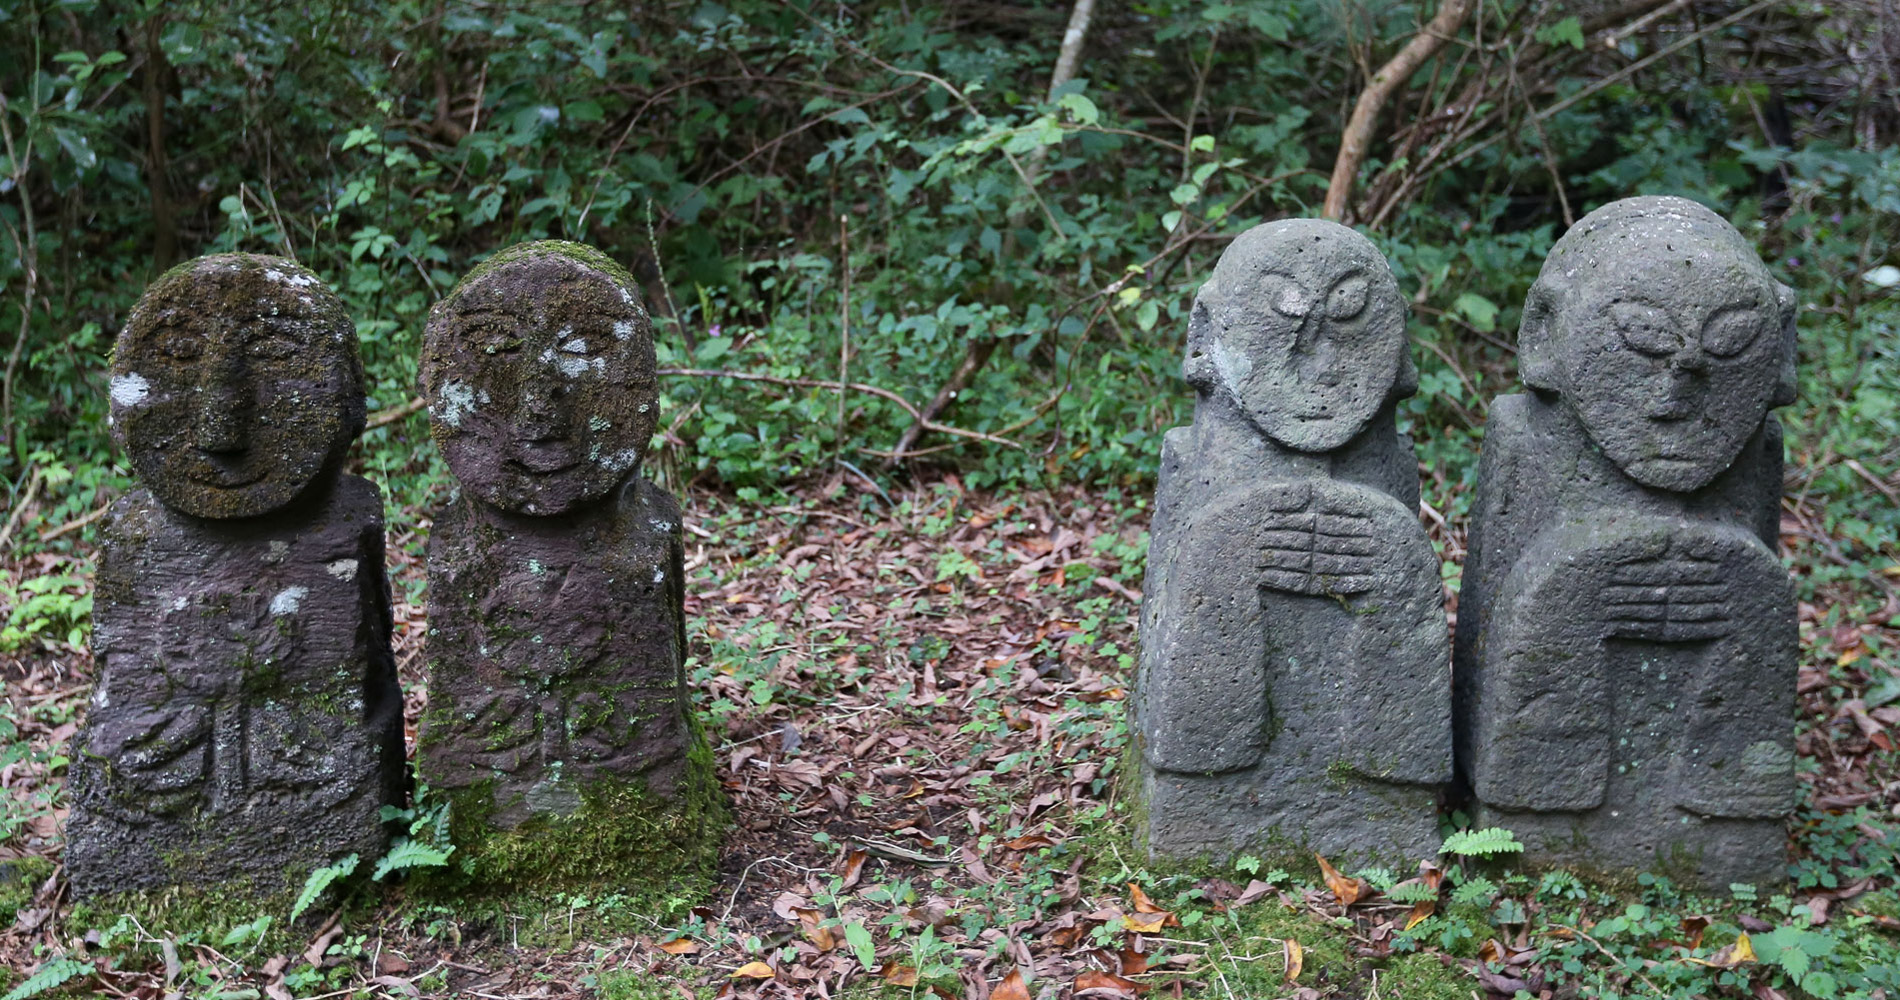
<point>236,385</point>
<point>539,371</point>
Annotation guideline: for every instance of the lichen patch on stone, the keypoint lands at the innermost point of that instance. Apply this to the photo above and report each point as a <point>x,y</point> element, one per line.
<point>130,389</point>
<point>288,600</point>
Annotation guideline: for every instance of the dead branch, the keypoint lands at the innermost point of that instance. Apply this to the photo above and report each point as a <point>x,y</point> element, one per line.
<point>1357,138</point>
<point>819,383</point>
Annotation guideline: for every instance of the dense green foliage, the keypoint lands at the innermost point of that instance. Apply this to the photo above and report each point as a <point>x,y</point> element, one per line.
<point>780,174</point>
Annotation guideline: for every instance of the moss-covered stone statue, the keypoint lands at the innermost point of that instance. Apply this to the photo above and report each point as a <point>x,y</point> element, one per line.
<point>1293,692</point>
<point>246,725</point>
<point>1626,645</point>
<point>558,723</point>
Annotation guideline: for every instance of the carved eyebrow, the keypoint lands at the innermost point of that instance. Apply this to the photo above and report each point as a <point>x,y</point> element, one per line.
<point>478,310</point>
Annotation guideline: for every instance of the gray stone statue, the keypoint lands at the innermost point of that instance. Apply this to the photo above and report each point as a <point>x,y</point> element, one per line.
<point>557,700</point>
<point>1293,690</point>
<point>246,725</point>
<point>1626,644</point>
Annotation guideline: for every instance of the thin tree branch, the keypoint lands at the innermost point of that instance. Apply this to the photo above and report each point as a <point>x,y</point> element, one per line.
<point>1357,138</point>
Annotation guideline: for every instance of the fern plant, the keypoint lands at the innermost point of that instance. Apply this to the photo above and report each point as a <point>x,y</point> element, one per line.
<point>408,853</point>
<point>320,880</point>
<point>54,973</point>
<point>1486,843</point>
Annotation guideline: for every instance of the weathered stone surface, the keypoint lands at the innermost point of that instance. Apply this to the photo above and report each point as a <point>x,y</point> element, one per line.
<point>236,386</point>
<point>556,644</point>
<point>1293,690</point>
<point>246,726</point>
<point>1626,647</point>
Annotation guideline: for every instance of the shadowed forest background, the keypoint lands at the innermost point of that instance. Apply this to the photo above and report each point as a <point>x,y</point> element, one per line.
<point>925,269</point>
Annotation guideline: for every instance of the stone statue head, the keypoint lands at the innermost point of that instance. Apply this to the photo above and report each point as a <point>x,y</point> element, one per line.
<point>1302,326</point>
<point>236,385</point>
<point>539,372</point>
<point>1664,334</point>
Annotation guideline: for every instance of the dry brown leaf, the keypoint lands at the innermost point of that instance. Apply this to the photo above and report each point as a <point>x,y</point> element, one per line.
<point>1011,988</point>
<point>811,925</point>
<point>898,975</point>
<point>1029,842</point>
<point>1741,952</point>
<point>753,970</point>
<point>1420,911</point>
<point>1692,928</point>
<point>1146,923</point>
<point>1105,982</point>
<point>1133,963</point>
<point>1347,890</point>
<point>1147,908</point>
<point>853,869</point>
<point>1295,960</point>
<point>680,946</point>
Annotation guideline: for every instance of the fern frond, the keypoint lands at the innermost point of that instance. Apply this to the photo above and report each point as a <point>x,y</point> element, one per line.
<point>410,854</point>
<point>1475,892</point>
<point>1482,843</point>
<point>320,880</point>
<point>1416,892</point>
<point>53,973</point>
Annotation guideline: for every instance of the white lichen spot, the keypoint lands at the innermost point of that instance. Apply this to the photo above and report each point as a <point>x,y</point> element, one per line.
<point>599,423</point>
<point>1292,302</point>
<point>535,567</point>
<point>643,407</point>
<point>343,569</point>
<point>458,400</point>
<point>576,344</point>
<point>293,280</point>
<point>130,389</point>
<point>620,461</point>
<point>178,603</point>
<point>568,365</point>
<point>287,600</point>
<point>623,328</point>
<point>626,296</point>
<point>661,525</point>
<point>659,575</point>
<point>278,550</point>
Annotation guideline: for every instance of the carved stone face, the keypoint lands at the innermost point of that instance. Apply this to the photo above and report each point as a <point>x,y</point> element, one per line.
<point>235,385</point>
<point>1664,334</point>
<point>1303,326</point>
<point>539,374</point>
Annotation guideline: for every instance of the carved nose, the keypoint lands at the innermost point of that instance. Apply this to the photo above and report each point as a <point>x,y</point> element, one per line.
<point>543,412</point>
<point>1318,357</point>
<point>1692,359</point>
<point>224,406</point>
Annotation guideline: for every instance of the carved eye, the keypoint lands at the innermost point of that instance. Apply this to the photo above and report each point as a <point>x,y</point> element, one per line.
<point>1348,297</point>
<point>1646,328</point>
<point>496,339</point>
<point>1285,296</point>
<point>180,343</point>
<point>275,347</point>
<point>1730,331</point>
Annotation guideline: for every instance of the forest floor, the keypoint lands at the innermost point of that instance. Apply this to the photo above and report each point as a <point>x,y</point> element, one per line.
<point>916,702</point>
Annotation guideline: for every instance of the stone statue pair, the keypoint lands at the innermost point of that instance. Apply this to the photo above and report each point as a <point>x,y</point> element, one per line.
<point>1622,690</point>
<point>246,726</point>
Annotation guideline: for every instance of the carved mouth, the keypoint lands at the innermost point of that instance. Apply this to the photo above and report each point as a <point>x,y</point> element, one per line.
<point>545,458</point>
<point>224,475</point>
